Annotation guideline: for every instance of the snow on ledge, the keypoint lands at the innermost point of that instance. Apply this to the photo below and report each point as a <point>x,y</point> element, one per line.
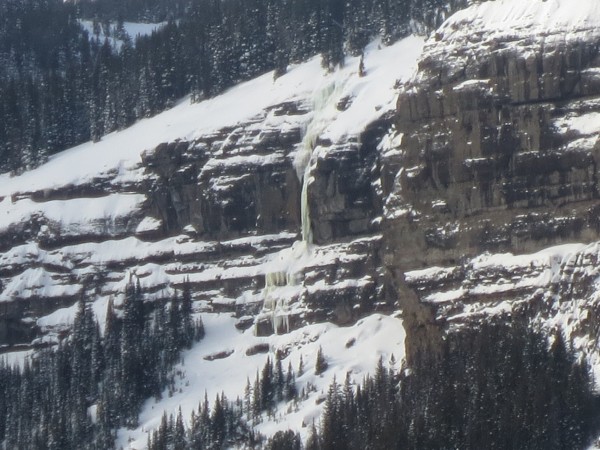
<point>149,224</point>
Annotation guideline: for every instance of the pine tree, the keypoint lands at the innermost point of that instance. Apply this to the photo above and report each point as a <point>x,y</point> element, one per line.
<point>179,441</point>
<point>187,329</point>
<point>174,322</point>
<point>320,363</point>
<point>284,440</point>
<point>267,387</point>
<point>290,390</point>
<point>332,426</point>
<point>218,423</point>
<point>257,401</point>
<point>279,377</point>
<point>313,441</point>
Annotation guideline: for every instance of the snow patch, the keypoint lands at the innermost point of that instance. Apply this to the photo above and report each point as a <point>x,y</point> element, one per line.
<point>132,29</point>
<point>535,16</point>
<point>585,124</point>
<point>75,216</point>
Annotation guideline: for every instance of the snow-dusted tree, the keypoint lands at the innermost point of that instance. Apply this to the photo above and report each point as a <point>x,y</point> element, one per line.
<point>320,362</point>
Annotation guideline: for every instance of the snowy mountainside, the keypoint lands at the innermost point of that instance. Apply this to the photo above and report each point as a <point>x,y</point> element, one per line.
<point>68,222</point>
<point>304,211</point>
<point>223,194</point>
<point>353,350</point>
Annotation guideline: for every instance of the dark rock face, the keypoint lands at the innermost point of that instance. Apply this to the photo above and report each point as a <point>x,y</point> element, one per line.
<point>345,198</point>
<point>497,150</point>
<point>227,185</point>
<point>552,289</point>
<point>485,166</point>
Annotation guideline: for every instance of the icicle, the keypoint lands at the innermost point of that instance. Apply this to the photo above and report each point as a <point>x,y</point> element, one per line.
<point>276,300</point>
<point>305,210</point>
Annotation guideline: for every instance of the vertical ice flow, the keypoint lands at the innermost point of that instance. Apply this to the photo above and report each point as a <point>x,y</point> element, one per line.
<point>288,261</point>
<point>324,110</point>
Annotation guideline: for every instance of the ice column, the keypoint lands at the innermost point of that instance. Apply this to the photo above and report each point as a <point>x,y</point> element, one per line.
<point>280,283</point>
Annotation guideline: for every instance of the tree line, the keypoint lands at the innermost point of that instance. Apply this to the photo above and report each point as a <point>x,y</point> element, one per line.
<point>60,86</point>
<point>77,395</point>
<point>497,386</point>
<point>494,387</point>
<point>231,423</point>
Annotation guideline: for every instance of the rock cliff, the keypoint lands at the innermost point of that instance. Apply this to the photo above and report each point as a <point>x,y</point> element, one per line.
<point>495,150</point>
<point>214,211</point>
<point>475,196</point>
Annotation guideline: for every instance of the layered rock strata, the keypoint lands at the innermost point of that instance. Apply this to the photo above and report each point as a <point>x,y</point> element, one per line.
<point>496,149</point>
<point>216,211</point>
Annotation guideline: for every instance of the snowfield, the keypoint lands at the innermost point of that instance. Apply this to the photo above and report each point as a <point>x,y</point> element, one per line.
<point>505,19</point>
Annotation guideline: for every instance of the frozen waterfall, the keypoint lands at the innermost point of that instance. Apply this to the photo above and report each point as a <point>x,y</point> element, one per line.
<point>283,281</point>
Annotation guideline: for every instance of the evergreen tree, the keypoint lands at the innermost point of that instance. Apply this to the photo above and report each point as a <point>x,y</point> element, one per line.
<point>187,329</point>
<point>320,363</point>
<point>62,86</point>
<point>290,390</point>
<point>267,387</point>
<point>284,440</point>
<point>313,441</point>
<point>179,441</point>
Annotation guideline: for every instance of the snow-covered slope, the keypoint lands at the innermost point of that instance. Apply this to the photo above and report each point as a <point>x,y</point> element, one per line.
<point>506,19</point>
<point>210,193</point>
<point>353,350</point>
<point>118,154</point>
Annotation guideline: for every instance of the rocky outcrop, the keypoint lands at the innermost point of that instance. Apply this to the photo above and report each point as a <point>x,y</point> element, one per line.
<point>555,288</point>
<point>236,182</point>
<point>345,196</point>
<point>496,149</point>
